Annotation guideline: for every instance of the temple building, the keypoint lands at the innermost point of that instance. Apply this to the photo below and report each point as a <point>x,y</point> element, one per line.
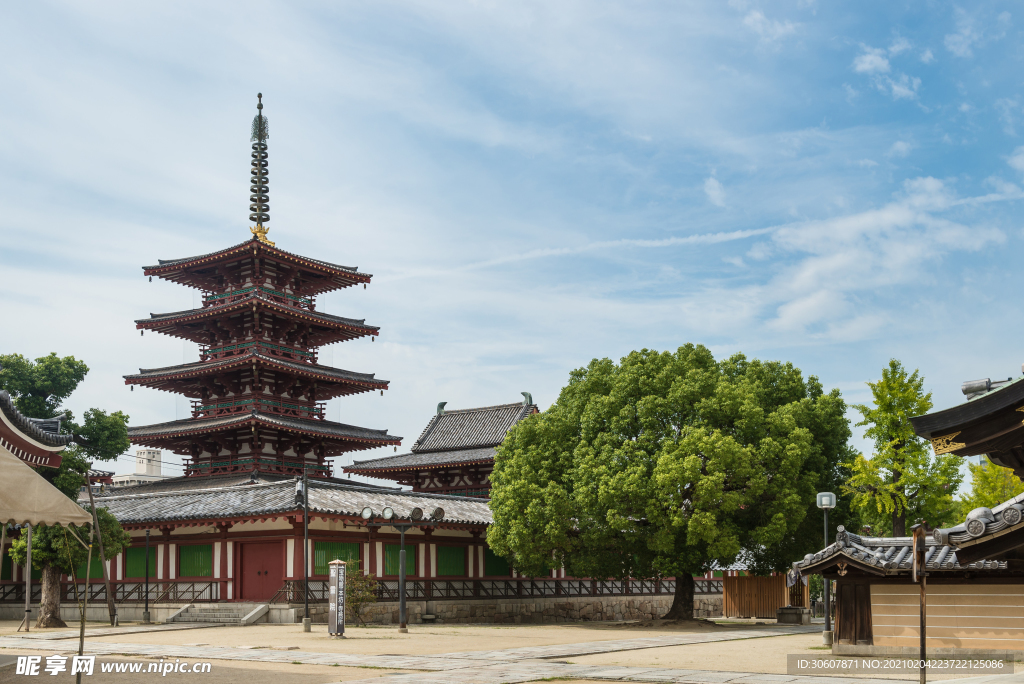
<point>35,441</point>
<point>975,570</point>
<point>455,452</point>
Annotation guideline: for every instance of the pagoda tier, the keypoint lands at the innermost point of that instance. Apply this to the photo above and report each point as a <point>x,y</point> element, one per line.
<point>261,441</point>
<point>253,260</point>
<point>253,316</point>
<point>251,368</point>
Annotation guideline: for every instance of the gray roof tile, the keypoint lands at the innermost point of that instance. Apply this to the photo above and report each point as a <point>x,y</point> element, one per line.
<point>214,364</point>
<point>40,430</point>
<point>279,497</point>
<point>323,427</point>
<point>432,458</point>
<point>889,555</point>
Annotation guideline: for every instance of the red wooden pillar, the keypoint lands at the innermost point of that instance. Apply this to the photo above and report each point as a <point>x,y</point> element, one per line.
<point>224,560</point>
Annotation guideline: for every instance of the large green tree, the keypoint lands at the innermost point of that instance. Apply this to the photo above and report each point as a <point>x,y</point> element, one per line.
<point>667,463</point>
<point>902,480</point>
<point>39,389</point>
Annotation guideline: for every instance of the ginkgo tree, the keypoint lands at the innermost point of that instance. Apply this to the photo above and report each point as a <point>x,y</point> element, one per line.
<point>665,464</point>
<point>902,480</point>
<point>991,485</point>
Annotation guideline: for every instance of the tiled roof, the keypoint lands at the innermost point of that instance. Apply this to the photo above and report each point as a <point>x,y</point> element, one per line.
<point>191,482</point>
<point>37,429</point>
<point>417,460</point>
<point>279,497</point>
<point>320,427</point>
<point>249,300</point>
<point>984,522</point>
<point>205,366</point>
<point>454,437</point>
<point>886,555</point>
<point>164,263</point>
<point>468,428</point>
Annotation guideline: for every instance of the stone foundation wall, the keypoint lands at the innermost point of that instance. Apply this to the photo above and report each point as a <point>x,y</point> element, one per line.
<point>531,611</point>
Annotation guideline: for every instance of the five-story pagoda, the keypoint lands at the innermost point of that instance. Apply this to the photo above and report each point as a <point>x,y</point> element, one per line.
<point>257,390</point>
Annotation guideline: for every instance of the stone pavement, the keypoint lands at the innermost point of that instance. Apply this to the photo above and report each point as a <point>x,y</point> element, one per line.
<point>114,631</point>
<point>480,667</point>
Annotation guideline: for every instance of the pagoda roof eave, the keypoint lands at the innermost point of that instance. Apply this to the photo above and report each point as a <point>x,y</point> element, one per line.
<point>317,428</point>
<point>178,317</point>
<point>941,422</point>
<point>341,276</point>
<point>200,368</point>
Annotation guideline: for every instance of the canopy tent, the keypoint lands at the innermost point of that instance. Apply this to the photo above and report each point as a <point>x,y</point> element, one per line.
<point>27,498</point>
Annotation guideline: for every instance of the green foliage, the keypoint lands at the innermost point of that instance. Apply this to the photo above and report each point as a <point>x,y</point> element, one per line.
<point>38,388</point>
<point>902,480</point>
<point>360,592</point>
<point>991,485</point>
<point>54,546</point>
<point>666,463</point>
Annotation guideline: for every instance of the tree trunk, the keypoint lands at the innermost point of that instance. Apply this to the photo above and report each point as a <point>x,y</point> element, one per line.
<point>49,604</point>
<point>682,603</point>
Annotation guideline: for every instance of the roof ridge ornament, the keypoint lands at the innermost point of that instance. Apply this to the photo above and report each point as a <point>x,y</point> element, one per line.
<point>259,189</point>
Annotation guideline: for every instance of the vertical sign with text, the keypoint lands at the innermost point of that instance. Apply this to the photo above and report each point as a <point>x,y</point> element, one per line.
<point>336,598</point>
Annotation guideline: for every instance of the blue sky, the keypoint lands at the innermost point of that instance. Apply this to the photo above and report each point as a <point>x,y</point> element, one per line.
<point>532,184</point>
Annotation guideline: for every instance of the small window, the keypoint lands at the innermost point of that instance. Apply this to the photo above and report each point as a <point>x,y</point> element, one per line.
<point>195,560</point>
<point>325,552</point>
<point>451,561</point>
<point>495,565</point>
<point>391,559</point>
<point>135,562</point>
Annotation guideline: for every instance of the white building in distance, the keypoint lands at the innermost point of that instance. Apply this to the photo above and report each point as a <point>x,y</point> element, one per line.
<point>147,469</point>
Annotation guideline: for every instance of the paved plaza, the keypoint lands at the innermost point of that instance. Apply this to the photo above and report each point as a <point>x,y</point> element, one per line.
<point>376,655</point>
<point>234,661</point>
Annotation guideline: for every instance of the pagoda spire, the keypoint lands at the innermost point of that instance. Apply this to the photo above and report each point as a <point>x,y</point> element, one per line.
<point>259,189</point>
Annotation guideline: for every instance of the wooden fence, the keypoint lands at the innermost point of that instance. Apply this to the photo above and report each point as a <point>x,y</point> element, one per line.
<point>756,597</point>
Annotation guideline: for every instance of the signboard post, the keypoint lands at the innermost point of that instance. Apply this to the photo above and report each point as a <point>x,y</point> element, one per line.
<point>336,599</point>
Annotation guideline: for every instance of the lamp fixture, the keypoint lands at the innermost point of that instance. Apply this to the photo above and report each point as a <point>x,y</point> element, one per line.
<point>367,513</point>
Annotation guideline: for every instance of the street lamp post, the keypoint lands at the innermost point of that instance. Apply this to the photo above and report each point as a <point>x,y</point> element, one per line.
<point>415,520</point>
<point>826,501</point>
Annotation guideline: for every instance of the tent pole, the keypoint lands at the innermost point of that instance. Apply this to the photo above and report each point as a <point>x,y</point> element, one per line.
<point>28,580</point>
<point>103,556</point>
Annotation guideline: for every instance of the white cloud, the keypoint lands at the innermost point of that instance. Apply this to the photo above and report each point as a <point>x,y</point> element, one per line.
<point>1016,159</point>
<point>898,45</point>
<point>967,36</point>
<point>902,87</point>
<point>965,107</point>
<point>768,29</point>
<point>715,191</point>
<point>867,163</point>
<point>851,92</point>
<point>927,57</point>
<point>871,61</point>
<point>899,148</point>
<point>1008,110</point>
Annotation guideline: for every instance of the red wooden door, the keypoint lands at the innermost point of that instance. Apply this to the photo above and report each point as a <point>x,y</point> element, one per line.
<point>262,565</point>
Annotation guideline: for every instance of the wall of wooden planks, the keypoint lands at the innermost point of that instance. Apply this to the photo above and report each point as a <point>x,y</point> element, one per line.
<point>756,597</point>
<point>987,616</point>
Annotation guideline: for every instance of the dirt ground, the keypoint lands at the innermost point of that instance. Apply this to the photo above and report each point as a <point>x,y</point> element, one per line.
<point>421,639</point>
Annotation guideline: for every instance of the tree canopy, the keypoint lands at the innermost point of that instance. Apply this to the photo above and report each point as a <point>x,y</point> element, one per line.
<point>53,546</point>
<point>665,464</point>
<point>902,480</point>
<point>991,485</point>
<point>39,389</point>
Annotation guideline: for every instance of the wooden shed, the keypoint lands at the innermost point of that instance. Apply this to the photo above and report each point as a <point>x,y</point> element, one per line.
<point>756,597</point>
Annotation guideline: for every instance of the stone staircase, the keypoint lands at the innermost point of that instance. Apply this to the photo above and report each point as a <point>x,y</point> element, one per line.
<point>225,614</point>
